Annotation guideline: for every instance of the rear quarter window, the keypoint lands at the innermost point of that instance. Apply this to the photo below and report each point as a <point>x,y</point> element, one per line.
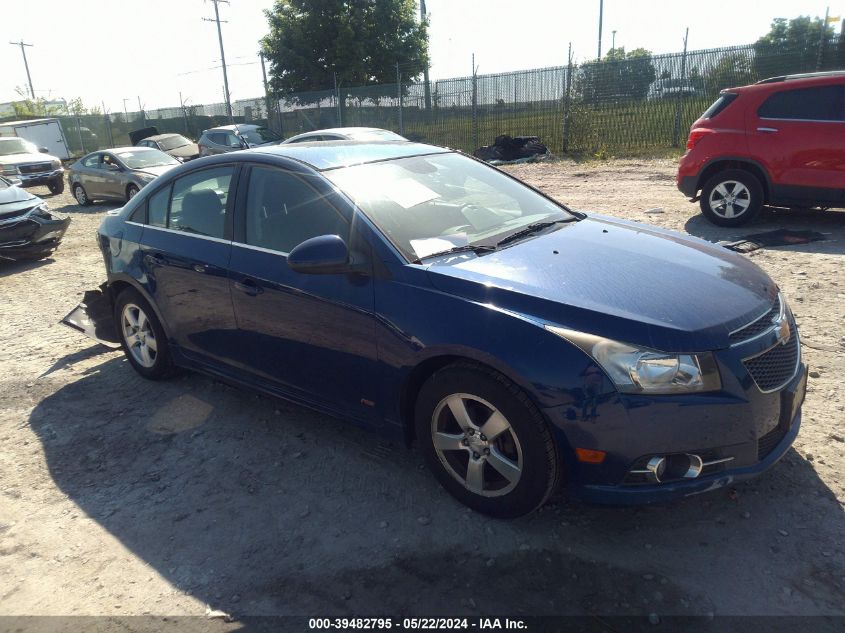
<point>724,100</point>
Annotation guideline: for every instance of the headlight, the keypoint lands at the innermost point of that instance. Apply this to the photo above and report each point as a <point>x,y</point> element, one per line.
<point>145,178</point>
<point>10,170</point>
<point>642,370</point>
<point>43,211</point>
<point>56,164</point>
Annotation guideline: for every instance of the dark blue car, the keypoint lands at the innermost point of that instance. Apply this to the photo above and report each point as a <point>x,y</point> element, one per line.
<point>424,294</point>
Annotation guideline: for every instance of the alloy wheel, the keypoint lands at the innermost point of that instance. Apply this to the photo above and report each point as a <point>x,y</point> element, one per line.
<point>729,199</point>
<point>139,335</point>
<point>81,198</point>
<point>476,445</point>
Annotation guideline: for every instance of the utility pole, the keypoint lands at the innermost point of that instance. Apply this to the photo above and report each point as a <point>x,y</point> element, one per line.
<point>613,41</point>
<point>425,70</point>
<point>822,39</point>
<point>222,57</point>
<point>26,65</point>
<point>141,110</point>
<point>267,101</point>
<point>601,16</point>
<point>184,113</point>
<point>125,113</point>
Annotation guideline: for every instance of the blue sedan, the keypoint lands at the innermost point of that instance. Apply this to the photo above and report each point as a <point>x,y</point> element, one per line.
<point>421,293</point>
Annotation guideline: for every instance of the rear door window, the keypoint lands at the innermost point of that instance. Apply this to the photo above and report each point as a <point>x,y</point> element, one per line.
<point>822,103</point>
<point>198,203</point>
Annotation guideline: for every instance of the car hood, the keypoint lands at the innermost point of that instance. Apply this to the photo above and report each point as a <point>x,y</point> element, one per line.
<point>155,171</point>
<point>20,159</point>
<point>186,151</point>
<point>13,201</point>
<point>627,281</point>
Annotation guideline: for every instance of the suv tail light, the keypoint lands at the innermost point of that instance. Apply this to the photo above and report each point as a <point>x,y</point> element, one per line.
<point>696,135</point>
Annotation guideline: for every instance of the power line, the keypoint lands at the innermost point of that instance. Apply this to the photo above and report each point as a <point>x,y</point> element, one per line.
<point>26,65</point>
<point>222,57</point>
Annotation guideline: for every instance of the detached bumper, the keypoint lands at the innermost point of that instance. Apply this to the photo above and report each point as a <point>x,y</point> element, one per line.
<point>94,317</point>
<point>41,178</point>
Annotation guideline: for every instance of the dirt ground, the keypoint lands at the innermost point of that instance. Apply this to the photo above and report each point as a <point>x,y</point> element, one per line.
<point>120,496</point>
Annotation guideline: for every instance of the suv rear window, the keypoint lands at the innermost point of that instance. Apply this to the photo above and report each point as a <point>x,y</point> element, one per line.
<point>823,103</point>
<point>724,100</point>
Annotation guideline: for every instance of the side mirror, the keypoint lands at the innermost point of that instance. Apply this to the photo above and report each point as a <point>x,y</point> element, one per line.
<point>43,150</point>
<point>321,255</point>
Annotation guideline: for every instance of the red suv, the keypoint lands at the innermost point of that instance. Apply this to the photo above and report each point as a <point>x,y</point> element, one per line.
<point>780,141</point>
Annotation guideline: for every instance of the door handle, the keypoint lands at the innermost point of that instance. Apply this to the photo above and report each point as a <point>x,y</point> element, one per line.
<point>767,130</point>
<point>156,259</point>
<point>249,286</point>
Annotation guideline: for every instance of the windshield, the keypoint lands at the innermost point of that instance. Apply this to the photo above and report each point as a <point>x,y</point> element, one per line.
<point>259,136</point>
<point>428,204</point>
<point>172,142</point>
<point>9,146</point>
<point>146,158</point>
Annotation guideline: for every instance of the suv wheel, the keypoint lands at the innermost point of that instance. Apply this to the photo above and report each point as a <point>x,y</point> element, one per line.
<point>485,441</point>
<point>731,197</point>
<point>56,186</point>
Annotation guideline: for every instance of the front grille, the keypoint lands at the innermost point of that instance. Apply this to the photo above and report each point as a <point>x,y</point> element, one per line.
<point>35,168</point>
<point>769,441</point>
<point>758,326</point>
<point>773,369</point>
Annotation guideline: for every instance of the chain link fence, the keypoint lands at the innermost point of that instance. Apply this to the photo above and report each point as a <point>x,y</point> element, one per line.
<point>621,104</point>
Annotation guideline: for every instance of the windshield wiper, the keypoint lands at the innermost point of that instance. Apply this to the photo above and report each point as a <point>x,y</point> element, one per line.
<point>478,249</point>
<point>531,228</point>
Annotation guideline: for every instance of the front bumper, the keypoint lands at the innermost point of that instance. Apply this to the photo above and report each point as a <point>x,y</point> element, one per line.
<point>744,455</point>
<point>31,237</point>
<point>41,178</point>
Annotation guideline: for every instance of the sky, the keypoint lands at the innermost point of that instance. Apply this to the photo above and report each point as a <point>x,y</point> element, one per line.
<point>105,52</point>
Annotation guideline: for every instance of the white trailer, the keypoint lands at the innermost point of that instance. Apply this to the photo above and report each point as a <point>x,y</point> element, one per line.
<point>42,133</point>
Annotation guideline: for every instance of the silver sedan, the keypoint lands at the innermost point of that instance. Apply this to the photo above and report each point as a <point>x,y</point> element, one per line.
<point>116,174</point>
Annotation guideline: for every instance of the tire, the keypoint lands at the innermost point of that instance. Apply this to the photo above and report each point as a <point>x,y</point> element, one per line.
<point>56,186</point>
<point>131,192</point>
<point>81,196</point>
<point>724,194</point>
<point>132,316</point>
<point>506,475</point>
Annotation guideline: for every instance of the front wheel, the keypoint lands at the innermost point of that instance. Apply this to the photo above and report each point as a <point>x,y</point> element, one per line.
<point>56,186</point>
<point>141,336</point>
<point>731,197</point>
<point>81,196</point>
<point>485,441</point>
<point>131,191</point>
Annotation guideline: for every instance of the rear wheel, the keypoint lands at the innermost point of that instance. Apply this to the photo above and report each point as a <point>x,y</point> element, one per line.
<point>80,195</point>
<point>731,197</point>
<point>485,441</point>
<point>141,336</point>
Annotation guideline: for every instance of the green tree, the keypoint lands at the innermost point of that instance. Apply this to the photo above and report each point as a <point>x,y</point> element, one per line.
<point>359,40</point>
<point>734,69</point>
<point>618,75</point>
<point>792,46</point>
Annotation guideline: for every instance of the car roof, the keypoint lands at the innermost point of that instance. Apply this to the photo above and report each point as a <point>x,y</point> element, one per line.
<point>129,148</point>
<point>344,130</point>
<point>158,137</point>
<point>236,126</point>
<point>324,155</point>
<point>798,80</point>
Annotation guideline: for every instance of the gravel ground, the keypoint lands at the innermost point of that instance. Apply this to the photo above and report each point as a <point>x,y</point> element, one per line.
<point>120,496</point>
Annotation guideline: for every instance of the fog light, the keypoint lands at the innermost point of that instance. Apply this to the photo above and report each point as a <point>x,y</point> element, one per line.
<point>656,466</point>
